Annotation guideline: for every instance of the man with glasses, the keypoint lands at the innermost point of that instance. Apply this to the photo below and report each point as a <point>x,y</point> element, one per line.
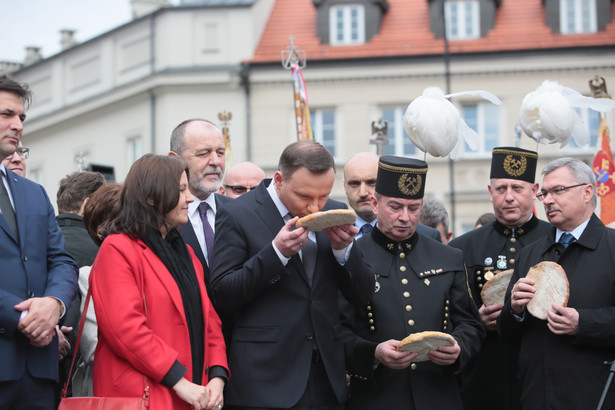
<point>241,178</point>
<point>17,161</point>
<point>564,361</point>
<point>489,382</point>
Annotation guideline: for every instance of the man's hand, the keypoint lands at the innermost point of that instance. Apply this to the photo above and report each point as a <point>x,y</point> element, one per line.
<point>39,324</point>
<point>521,293</point>
<point>563,320</point>
<point>63,344</point>
<point>445,355</point>
<point>215,388</point>
<point>489,315</point>
<point>289,241</point>
<point>387,355</point>
<point>341,236</point>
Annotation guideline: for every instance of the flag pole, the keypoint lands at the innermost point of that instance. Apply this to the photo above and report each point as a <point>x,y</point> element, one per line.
<point>294,59</point>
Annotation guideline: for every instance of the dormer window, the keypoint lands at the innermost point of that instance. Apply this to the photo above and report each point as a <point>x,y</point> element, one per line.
<point>462,19</point>
<point>577,16</point>
<point>347,24</point>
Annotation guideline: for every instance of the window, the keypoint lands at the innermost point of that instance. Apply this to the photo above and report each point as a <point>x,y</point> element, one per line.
<point>591,119</point>
<point>484,119</point>
<point>399,143</point>
<point>577,16</point>
<point>134,149</point>
<point>323,126</point>
<point>347,24</point>
<point>462,19</point>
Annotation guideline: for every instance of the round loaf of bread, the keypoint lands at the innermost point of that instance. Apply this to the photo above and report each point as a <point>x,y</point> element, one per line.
<point>322,220</point>
<point>424,342</point>
<point>494,290</point>
<point>551,286</point>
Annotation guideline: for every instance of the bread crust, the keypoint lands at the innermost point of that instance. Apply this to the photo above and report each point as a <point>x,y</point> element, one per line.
<point>322,220</point>
<point>551,286</point>
<point>494,291</point>
<point>424,342</point>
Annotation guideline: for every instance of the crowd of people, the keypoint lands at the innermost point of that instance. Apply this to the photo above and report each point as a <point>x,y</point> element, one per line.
<point>199,291</point>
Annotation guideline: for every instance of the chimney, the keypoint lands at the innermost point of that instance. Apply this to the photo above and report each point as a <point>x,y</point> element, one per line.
<point>33,54</point>
<point>67,39</point>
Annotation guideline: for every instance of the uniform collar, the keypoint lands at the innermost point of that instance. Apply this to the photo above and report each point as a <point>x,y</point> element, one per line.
<point>518,231</point>
<point>394,247</point>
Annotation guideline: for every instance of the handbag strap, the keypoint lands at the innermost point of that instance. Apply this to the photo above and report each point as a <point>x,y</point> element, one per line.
<point>146,387</point>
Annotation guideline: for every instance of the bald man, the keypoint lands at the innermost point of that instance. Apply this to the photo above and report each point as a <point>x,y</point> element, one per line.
<point>360,174</point>
<point>241,178</point>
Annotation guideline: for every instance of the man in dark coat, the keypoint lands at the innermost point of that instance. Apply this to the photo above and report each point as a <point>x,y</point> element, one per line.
<point>562,361</point>
<point>489,381</point>
<point>280,285</point>
<point>421,286</point>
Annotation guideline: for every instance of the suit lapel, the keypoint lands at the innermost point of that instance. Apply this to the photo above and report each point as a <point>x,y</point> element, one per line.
<point>162,273</point>
<point>19,201</point>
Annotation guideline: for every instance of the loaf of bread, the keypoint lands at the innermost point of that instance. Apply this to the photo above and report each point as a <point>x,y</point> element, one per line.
<point>494,290</point>
<point>424,342</point>
<point>551,286</point>
<point>322,220</point>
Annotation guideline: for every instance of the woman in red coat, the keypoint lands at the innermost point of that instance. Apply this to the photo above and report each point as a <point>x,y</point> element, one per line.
<point>154,316</point>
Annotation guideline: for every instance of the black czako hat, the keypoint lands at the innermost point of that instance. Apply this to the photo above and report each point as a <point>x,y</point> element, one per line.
<point>400,177</point>
<point>513,163</point>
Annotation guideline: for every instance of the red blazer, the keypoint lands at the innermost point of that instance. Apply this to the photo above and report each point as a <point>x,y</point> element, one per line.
<point>128,348</point>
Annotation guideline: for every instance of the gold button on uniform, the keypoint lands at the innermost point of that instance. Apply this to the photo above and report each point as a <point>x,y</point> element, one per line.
<point>511,261</point>
<point>370,314</point>
<point>402,268</point>
<point>413,366</point>
<point>404,281</point>
<point>410,322</point>
<point>513,240</point>
<point>372,328</point>
<point>408,308</point>
<point>406,294</point>
<point>512,250</point>
<point>402,255</point>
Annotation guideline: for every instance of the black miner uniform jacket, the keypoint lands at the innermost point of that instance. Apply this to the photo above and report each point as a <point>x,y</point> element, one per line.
<point>421,285</point>
<point>489,381</point>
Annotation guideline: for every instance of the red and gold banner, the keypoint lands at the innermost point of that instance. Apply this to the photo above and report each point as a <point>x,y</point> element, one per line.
<point>604,170</point>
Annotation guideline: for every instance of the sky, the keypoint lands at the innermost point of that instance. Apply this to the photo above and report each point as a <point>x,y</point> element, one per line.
<point>38,23</point>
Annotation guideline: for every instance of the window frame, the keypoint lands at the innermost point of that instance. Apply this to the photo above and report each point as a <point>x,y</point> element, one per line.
<point>316,118</point>
<point>347,24</point>
<point>461,20</point>
<point>483,150</point>
<point>577,15</point>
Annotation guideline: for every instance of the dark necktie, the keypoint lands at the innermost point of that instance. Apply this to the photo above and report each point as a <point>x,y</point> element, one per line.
<point>566,239</point>
<point>7,209</point>
<point>366,229</point>
<point>309,253</point>
<point>208,231</point>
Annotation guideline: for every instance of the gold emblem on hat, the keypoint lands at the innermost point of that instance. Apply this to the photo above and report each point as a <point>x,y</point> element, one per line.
<point>410,185</point>
<point>515,167</point>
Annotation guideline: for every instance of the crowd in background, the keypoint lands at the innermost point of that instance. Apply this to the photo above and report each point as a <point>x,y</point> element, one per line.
<point>198,291</point>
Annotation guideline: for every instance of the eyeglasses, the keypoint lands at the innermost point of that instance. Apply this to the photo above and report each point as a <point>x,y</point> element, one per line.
<point>23,153</point>
<point>240,189</point>
<point>558,190</point>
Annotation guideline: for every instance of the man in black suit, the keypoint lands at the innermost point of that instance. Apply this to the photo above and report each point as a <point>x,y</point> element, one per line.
<point>200,143</point>
<point>281,285</point>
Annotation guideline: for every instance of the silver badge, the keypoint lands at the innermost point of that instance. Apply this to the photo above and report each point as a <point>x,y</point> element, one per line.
<point>377,287</point>
<point>488,261</point>
<point>501,263</point>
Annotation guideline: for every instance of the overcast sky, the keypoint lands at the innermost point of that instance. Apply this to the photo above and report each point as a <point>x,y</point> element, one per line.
<point>38,23</point>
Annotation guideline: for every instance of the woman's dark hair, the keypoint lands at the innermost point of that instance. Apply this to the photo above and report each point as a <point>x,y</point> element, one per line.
<point>151,190</point>
<point>102,206</point>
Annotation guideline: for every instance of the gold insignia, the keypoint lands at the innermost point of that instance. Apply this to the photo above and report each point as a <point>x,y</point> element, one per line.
<point>489,275</point>
<point>515,165</point>
<point>410,185</point>
<point>408,246</point>
<point>390,246</point>
<point>427,282</point>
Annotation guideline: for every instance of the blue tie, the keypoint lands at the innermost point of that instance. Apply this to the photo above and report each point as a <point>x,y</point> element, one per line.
<point>566,239</point>
<point>366,229</point>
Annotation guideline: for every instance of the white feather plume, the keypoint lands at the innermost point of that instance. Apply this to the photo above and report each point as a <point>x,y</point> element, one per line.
<point>548,114</point>
<point>435,126</point>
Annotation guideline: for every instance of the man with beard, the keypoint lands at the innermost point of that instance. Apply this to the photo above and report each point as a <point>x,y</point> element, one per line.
<point>200,143</point>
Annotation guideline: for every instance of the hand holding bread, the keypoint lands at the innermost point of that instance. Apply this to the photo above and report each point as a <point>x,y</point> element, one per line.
<point>545,284</point>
